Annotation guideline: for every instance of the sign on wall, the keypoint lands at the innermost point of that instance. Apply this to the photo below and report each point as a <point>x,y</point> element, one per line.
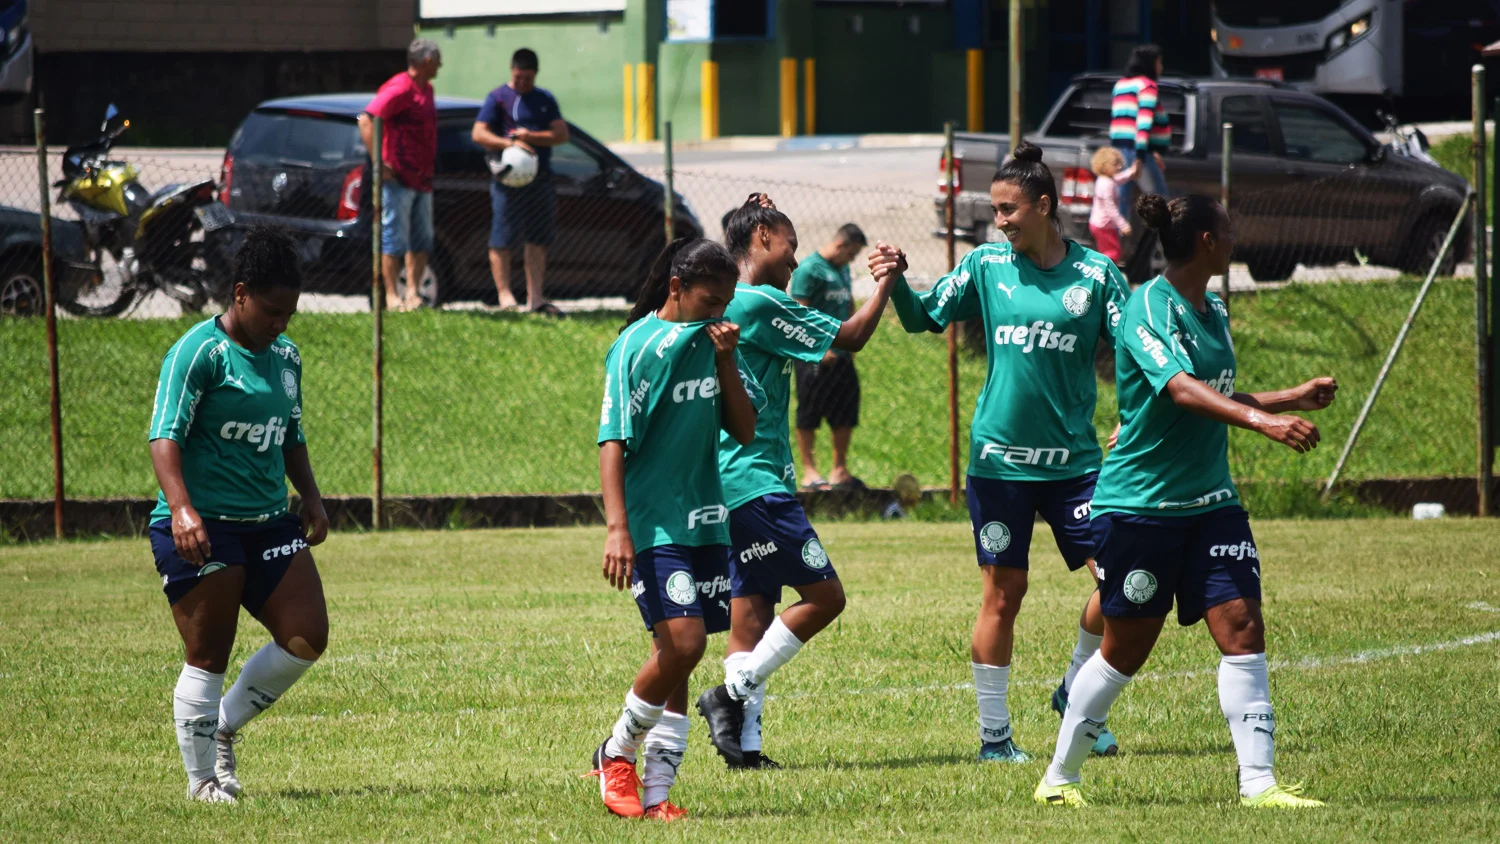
<point>438,9</point>
<point>690,20</point>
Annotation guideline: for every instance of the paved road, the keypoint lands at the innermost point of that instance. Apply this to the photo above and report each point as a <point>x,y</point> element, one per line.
<point>887,191</point>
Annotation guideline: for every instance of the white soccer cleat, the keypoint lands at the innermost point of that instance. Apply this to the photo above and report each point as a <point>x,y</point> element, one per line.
<point>208,791</point>
<point>224,764</point>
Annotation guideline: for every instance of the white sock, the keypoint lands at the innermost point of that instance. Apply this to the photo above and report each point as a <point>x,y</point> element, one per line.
<point>1245,698</point>
<point>635,722</point>
<point>665,744</point>
<point>265,677</point>
<point>750,735</point>
<point>990,685</point>
<point>775,649</point>
<point>1094,692</point>
<point>1088,643</point>
<point>195,711</point>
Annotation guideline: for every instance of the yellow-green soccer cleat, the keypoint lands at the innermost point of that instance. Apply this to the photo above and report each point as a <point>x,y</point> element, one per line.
<point>1281,797</point>
<point>1066,794</point>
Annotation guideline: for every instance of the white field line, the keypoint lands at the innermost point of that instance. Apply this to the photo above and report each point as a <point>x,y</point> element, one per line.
<point>1306,664</point>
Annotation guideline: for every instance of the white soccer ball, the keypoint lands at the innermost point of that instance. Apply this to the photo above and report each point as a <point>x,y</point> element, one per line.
<point>514,167</point>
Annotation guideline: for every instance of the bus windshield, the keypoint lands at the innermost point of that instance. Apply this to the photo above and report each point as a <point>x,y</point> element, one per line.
<point>1273,12</point>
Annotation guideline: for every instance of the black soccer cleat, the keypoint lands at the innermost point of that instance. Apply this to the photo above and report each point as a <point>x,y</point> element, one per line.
<point>726,718</point>
<point>754,759</point>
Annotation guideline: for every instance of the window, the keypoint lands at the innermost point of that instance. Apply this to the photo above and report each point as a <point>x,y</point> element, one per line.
<point>569,161</point>
<point>456,150</point>
<point>1252,134</point>
<point>1311,134</point>
<point>295,139</point>
<point>742,19</point>
<point>1087,112</point>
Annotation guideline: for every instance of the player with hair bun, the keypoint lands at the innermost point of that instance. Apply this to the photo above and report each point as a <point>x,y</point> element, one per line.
<point>774,545</point>
<point>226,434</point>
<point>1166,515</point>
<point>1046,303</point>
<point>673,380</point>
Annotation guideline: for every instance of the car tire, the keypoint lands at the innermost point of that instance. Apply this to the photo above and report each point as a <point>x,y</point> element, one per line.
<point>1264,269</point>
<point>1423,245</point>
<point>22,292</point>
<point>437,283</point>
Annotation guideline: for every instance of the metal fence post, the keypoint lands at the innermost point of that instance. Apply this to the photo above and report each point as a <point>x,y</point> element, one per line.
<point>48,282</point>
<point>669,202</point>
<point>377,345</point>
<point>1390,358</point>
<point>1014,82</point>
<point>1485,455</point>
<point>1224,188</point>
<point>948,170</point>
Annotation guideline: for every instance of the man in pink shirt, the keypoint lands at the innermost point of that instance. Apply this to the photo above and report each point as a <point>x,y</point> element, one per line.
<point>408,154</point>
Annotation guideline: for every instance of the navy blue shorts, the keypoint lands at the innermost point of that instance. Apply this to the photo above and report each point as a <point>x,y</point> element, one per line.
<point>1002,514</point>
<point>523,215</point>
<point>265,549</point>
<point>1204,561</point>
<point>678,581</point>
<point>774,546</point>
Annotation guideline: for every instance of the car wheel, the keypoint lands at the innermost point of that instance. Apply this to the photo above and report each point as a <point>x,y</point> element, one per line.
<point>435,286</point>
<point>1271,269</point>
<point>1424,245</point>
<point>21,290</point>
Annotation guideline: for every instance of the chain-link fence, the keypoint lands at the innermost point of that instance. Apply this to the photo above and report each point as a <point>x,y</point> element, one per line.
<point>482,400</point>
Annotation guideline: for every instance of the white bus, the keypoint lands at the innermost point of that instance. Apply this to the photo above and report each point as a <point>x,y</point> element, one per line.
<point>1388,48</point>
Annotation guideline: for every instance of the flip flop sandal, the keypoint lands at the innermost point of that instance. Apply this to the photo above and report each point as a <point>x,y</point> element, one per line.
<point>819,486</point>
<point>551,310</point>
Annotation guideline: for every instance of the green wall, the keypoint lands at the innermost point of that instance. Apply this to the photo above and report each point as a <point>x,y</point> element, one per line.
<point>581,62</point>
<point>679,89</point>
<point>913,82</point>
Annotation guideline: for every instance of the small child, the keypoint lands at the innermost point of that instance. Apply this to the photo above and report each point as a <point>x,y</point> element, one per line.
<point>1106,223</point>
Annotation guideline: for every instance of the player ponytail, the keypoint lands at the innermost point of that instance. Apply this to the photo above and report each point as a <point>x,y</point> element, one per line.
<point>1180,223</point>
<point>740,225</point>
<point>693,262</point>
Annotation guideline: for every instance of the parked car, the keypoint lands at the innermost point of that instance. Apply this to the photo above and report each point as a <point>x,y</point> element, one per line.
<point>1309,184</point>
<point>22,291</point>
<point>17,56</point>
<point>299,163</point>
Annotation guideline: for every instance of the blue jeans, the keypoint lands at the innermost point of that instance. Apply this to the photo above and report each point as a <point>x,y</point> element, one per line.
<point>1149,176</point>
<point>405,219</point>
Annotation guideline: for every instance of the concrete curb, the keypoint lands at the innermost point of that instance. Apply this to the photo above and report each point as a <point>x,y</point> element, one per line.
<point>767,143</point>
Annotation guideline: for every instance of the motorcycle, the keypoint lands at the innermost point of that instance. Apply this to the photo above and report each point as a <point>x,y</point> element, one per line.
<point>152,240</point>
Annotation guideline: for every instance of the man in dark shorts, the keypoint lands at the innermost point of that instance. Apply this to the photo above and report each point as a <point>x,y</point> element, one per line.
<point>521,114</point>
<point>828,389</point>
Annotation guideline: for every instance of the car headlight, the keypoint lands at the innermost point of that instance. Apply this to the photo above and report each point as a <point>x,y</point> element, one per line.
<point>1351,33</point>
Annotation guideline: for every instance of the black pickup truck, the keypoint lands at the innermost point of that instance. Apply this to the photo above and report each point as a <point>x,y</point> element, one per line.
<point>1309,184</point>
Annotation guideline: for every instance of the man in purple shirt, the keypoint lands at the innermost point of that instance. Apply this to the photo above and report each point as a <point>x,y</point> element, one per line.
<point>521,114</point>
<point>408,156</point>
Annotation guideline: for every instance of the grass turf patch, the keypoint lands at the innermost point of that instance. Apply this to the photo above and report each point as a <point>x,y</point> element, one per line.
<point>470,675</point>
<point>479,403</point>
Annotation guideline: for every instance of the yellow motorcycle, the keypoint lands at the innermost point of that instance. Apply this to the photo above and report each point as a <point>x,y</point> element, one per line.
<point>138,240</point>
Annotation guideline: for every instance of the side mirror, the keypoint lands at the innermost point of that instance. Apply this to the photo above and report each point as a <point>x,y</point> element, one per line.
<point>615,176</point>
<point>1377,154</point>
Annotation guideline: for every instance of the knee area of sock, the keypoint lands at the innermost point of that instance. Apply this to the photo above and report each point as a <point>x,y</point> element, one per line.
<point>213,663</point>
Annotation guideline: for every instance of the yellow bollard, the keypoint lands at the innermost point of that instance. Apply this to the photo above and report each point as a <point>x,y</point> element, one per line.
<point>645,101</point>
<point>976,90</point>
<point>809,99</point>
<point>788,97</point>
<point>629,88</point>
<point>710,100</point>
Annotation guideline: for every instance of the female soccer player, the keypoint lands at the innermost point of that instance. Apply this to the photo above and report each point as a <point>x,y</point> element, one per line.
<point>774,546</point>
<point>226,434</point>
<point>1046,304</point>
<point>1167,518</point>
<point>672,380</point>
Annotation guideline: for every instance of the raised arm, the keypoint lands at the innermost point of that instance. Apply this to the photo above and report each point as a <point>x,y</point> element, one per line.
<point>857,330</point>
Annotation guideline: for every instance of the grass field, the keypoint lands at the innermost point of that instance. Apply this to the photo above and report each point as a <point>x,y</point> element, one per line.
<point>471,674</point>
<point>1456,153</point>
<point>477,403</point>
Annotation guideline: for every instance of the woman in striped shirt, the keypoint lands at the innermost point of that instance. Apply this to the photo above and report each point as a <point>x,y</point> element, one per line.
<point>1138,125</point>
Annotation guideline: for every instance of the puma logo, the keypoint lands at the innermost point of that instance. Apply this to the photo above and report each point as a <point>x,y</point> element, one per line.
<point>1008,290</point>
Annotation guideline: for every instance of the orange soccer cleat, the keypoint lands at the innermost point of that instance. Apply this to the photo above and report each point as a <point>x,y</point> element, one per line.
<point>666,812</point>
<point>619,784</point>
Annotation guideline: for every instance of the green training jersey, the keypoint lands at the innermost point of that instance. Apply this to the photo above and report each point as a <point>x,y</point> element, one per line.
<point>1035,417</point>
<point>824,287</point>
<point>1168,462</point>
<point>775,330</point>
<point>232,411</point>
<point>661,399</point>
